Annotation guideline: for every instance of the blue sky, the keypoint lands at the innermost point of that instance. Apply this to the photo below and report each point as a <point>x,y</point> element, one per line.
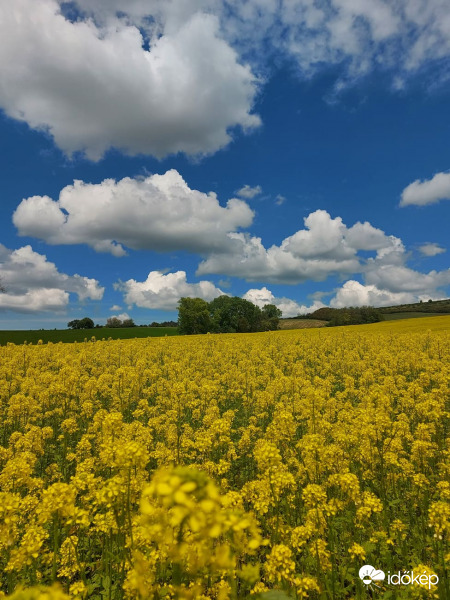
<point>287,152</point>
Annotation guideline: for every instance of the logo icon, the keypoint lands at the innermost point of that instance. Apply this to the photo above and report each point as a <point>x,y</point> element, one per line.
<point>370,575</point>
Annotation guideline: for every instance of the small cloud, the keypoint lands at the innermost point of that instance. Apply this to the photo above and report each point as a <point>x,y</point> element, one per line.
<point>430,191</point>
<point>431,249</point>
<point>115,307</point>
<point>319,295</point>
<point>249,192</point>
<point>225,283</point>
<point>279,200</point>
<point>398,83</point>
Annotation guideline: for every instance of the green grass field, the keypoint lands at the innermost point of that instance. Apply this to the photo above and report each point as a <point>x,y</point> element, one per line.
<point>410,315</point>
<point>78,335</point>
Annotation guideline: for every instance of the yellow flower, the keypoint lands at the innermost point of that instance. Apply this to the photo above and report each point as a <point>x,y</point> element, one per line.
<point>357,551</point>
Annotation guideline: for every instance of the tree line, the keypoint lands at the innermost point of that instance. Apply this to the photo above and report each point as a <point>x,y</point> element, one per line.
<point>88,323</point>
<point>225,314</point>
<point>353,315</point>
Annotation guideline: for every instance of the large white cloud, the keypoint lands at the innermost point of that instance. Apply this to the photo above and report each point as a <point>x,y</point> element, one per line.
<point>389,281</point>
<point>430,191</point>
<point>325,247</point>
<point>362,35</point>
<point>400,278</point>
<point>164,76</point>
<point>162,291</point>
<point>159,212</point>
<point>288,307</point>
<point>34,284</point>
<point>93,87</point>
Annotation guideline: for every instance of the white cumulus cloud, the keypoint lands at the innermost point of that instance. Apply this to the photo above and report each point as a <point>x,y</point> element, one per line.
<point>163,76</point>
<point>360,35</point>
<point>353,293</point>
<point>95,86</point>
<point>34,284</point>
<point>326,246</point>
<point>399,278</point>
<point>430,191</point>
<point>162,291</point>
<point>288,307</point>
<point>159,212</point>
<point>249,192</point>
<point>431,249</point>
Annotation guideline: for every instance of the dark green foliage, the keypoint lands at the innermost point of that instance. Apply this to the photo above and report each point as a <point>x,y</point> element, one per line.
<point>431,306</point>
<point>348,316</point>
<point>234,315</point>
<point>85,323</point>
<point>193,316</point>
<point>323,314</point>
<point>115,322</point>
<point>271,316</point>
<point>225,314</point>
<point>354,316</point>
<point>162,324</point>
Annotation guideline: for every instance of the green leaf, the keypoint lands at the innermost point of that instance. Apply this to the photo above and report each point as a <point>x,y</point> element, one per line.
<point>369,547</point>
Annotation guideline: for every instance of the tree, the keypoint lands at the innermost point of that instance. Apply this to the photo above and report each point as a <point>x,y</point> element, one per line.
<point>193,316</point>
<point>271,316</point>
<point>234,315</point>
<point>85,323</point>
<point>113,322</point>
<point>225,314</point>
<point>73,324</point>
<point>128,323</point>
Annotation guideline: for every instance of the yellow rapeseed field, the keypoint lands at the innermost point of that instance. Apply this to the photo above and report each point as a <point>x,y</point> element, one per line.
<point>226,466</point>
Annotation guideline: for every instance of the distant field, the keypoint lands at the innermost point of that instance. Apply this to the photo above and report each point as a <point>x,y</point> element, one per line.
<point>78,335</point>
<point>301,323</point>
<point>410,315</point>
<point>401,326</point>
